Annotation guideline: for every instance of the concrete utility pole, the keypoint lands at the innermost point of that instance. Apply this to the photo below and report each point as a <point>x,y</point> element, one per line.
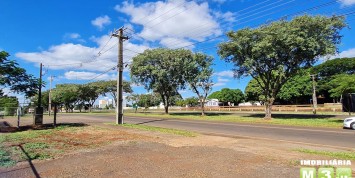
<point>119,100</point>
<point>314,98</point>
<point>50,96</point>
<point>38,118</point>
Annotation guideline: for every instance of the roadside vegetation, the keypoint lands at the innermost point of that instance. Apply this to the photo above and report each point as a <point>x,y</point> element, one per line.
<point>159,129</point>
<point>51,143</point>
<point>334,155</point>
<point>278,119</point>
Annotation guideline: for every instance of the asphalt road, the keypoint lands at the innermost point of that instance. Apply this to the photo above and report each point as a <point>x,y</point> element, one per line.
<point>322,137</point>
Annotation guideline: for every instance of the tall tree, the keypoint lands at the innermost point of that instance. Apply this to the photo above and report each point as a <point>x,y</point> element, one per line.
<point>8,104</point>
<point>110,87</point>
<point>253,92</point>
<point>297,87</point>
<point>199,74</point>
<point>148,100</point>
<point>273,53</point>
<point>88,93</point>
<point>15,78</point>
<point>342,84</point>
<point>67,95</point>
<point>227,95</point>
<point>326,71</point>
<point>44,102</point>
<point>162,71</point>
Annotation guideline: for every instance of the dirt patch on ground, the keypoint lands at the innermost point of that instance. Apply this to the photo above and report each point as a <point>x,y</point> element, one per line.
<point>101,150</point>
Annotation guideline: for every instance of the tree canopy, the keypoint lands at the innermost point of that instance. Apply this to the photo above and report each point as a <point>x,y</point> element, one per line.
<point>15,78</point>
<point>342,84</point>
<point>274,52</point>
<point>161,70</point>
<point>226,95</point>
<point>326,72</point>
<point>297,89</point>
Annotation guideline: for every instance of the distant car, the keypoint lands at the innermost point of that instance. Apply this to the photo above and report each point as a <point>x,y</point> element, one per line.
<point>349,123</point>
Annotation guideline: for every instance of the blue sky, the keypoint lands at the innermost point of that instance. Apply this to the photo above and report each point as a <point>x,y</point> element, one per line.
<point>72,38</point>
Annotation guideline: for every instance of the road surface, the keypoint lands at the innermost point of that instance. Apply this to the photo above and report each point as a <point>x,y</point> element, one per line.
<point>322,137</point>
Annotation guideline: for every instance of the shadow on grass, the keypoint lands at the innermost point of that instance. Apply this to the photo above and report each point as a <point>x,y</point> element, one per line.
<point>34,170</point>
<point>141,123</point>
<point>293,116</point>
<point>7,128</point>
<point>199,114</point>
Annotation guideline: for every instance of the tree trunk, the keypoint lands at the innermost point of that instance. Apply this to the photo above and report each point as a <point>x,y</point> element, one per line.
<point>203,108</point>
<point>166,104</point>
<point>268,108</point>
<point>166,107</point>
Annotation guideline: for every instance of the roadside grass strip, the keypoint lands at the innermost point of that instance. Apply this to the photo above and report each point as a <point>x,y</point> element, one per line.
<point>334,155</point>
<point>159,129</point>
<point>5,158</point>
<point>316,121</point>
<point>54,142</point>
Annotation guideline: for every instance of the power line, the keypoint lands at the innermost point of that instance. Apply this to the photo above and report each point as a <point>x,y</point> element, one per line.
<point>99,53</point>
<point>107,71</point>
<point>176,44</point>
<point>315,7</point>
<point>207,23</point>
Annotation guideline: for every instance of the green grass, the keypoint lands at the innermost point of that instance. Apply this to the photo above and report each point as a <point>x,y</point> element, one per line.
<point>160,129</point>
<point>37,150</point>
<point>280,119</point>
<point>33,143</point>
<point>5,158</point>
<point>333,155</point>
<point>30,134</point>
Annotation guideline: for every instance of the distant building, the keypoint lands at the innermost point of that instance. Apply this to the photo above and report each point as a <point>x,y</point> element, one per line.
<point>103,103</point>
<point>212,102</point>
<point>250,104</point>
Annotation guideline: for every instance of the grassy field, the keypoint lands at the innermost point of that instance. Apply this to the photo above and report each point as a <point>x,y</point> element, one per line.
<point>327,121</point>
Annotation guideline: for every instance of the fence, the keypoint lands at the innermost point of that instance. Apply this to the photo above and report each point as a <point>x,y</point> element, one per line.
<point>280,108</point>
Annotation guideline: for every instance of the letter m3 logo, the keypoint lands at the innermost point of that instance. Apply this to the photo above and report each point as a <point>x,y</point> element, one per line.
<point>308,173</point>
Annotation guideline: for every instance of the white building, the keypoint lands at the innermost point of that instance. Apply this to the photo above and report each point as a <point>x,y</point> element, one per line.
<point>250,104</point>
<point>212,102</point>
<point>103,103</point>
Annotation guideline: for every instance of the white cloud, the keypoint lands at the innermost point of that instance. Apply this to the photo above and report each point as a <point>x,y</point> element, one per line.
<point>74,37</point>
<point>227,16</point>
<point>226,73</point>
<point>218,84</point>
<point>79,57</point>
<point>176,42</point>
<point>347,2</point>
<point>73,75</point>
<point>172,21</point>
<point>220,79</point>
<point>221,82</point>
<point>100,22</point>
<point>347,53</point>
